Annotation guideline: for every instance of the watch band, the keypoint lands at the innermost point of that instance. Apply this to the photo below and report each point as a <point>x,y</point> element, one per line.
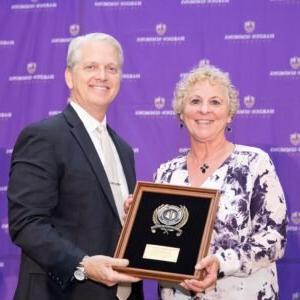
<point>80,273</point>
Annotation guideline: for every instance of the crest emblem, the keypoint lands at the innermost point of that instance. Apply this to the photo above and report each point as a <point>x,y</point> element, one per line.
<point>169,218</point>
<point>204,62</point>
<point>161,28</point>
<point>295,138</point>
<point>249,101</point>
<point>74,29</point>
<point>159,102</point>
<point>295,217</point>
<point>249,26</point>
<point>296,296</point>
<point>31,67</point>
<point>295,62</point>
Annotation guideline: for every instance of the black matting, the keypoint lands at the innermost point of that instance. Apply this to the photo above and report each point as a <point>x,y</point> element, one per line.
<point>188,243</point>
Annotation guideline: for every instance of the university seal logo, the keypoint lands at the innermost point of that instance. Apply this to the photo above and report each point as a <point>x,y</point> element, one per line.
<point>249,101</point>
<point>159,102</point>
<point>295,217</point>
<point>31,67</point>
<point>74,29</point>
<point>295,62</point>
<point>249,26</point>
<point>161,29</point>
<point>295,138</point>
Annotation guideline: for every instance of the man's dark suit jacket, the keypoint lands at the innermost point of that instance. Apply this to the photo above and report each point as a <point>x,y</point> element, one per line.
<point>61,208</point>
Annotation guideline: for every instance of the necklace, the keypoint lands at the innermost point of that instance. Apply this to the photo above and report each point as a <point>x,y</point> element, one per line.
<point>204,167</point>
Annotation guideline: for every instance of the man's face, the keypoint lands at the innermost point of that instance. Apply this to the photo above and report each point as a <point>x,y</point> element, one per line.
<point>94,81</point>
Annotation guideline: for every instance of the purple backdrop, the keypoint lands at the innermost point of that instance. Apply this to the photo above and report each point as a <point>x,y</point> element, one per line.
<point>256,41</point>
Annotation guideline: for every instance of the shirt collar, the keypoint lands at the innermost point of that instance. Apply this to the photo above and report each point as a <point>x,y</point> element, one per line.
<point>89,122</point>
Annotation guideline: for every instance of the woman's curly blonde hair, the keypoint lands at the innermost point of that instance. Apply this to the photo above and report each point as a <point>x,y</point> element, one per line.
<point>201,73</point>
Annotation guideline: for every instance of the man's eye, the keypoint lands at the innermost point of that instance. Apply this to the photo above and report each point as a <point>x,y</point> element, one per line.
<point>90,67</point>
<point>112,69</point>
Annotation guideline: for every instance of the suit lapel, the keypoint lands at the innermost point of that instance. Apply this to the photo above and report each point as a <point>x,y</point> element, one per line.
<point>82,137</point>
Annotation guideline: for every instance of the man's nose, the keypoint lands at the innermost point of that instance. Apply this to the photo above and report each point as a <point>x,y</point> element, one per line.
<point>101,73</point>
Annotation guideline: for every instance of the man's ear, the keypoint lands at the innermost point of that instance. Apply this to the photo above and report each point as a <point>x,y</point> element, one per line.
<point>68,78</point>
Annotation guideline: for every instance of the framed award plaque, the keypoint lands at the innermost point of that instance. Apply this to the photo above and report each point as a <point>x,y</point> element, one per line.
<point>167,230</point>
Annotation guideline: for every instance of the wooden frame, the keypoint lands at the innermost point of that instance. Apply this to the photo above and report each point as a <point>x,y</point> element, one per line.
<point>167,230</point>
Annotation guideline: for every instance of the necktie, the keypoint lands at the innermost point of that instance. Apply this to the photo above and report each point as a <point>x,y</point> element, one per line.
<point>110,167</point>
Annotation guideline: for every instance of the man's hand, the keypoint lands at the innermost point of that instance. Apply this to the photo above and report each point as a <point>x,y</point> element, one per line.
<point>100,268</point>
<point>210,266</point>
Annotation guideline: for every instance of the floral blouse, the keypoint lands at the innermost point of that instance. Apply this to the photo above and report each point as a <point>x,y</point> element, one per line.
<point>250,229</point>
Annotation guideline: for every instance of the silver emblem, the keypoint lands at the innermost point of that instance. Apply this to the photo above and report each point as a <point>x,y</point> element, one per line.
<point>74,29</point>
<point>31,67</point>
<point>249,26</point>
<point>161,29</point>
<point>249,101</point>
<point>295,62</point>
<point>169,218</point>
<point>295,138</point>
<point>159,102</point>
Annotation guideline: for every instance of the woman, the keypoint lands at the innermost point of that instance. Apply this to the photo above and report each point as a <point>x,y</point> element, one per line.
<point>250,229</point>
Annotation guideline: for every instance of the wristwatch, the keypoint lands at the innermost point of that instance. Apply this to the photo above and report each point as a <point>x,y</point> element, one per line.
<point>80,273</point>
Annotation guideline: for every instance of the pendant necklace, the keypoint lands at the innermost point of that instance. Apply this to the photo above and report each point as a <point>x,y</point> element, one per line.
<point>204,167</point>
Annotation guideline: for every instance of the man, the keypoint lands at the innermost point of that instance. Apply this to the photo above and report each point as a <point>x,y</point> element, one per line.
<point>63,210</point>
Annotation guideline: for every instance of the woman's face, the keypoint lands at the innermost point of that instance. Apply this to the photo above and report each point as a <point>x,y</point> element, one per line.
<point>206,111</point>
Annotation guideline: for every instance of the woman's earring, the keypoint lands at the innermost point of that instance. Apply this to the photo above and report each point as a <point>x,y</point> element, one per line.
<point>181,124</point>
<point>228,128</point>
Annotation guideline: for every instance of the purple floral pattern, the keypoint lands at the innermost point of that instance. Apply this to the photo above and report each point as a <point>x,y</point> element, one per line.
<point>250,230</point>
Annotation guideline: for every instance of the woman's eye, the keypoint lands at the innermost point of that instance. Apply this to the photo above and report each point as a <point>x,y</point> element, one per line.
<point>195,101</point>
<point>215,102</point>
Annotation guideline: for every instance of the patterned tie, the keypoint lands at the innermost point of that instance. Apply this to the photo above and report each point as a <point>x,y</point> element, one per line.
<point>110,167</point>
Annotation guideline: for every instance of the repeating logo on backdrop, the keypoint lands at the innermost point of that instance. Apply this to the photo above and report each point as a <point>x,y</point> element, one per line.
<point>249,33</point>
<point>161,29</point>
<point>295,138</point>
<point>296,296</point>
<point>216,3</point>
<point>295,217</point>
<point>34,4</point>
<point>204,62</point>
<point>160,37</point>
<point>158,110</point>
<point>31,67</point>
<point>249,101</point>
<point>159,102</point>
<point>249,26</point>
<point>116,4</point>
<point>295,62</point>
<point>292,73</point>
<point>74,29</point>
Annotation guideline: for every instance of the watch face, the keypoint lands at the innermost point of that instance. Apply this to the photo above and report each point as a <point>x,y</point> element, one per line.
<point>79,274</point>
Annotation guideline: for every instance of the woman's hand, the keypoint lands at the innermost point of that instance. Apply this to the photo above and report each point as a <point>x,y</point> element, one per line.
<point>209,265</point>
<point>127,205</point>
